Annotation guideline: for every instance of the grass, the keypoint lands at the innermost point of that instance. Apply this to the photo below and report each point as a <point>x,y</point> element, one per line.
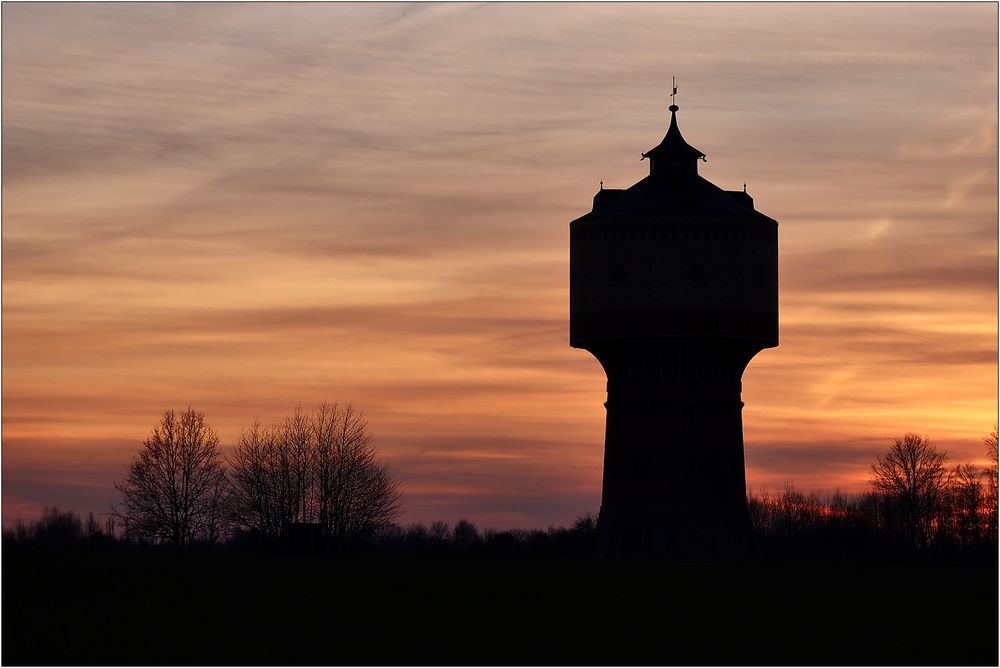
<point>155,607</point>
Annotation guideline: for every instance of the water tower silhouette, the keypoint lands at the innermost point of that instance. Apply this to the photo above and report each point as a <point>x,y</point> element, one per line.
<point>674,288</point>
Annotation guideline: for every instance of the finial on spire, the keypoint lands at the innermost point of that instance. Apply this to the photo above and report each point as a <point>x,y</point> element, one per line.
<point>673,150</point>
<point>744,187</point>
<point>673,94</point>
<point>602,184</point>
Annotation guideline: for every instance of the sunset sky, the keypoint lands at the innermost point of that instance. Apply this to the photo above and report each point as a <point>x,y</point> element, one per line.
<point>246,207</point>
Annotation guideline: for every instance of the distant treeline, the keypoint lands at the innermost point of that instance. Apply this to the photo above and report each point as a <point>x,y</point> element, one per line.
<point>916,503</point>
<point>66,529</point>
<point>915,500</point>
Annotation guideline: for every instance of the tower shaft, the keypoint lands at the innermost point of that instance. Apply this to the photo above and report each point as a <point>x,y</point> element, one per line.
<point>674,481</point>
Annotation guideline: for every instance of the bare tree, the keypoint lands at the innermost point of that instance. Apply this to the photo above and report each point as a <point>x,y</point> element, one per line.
<point>991,484</point>
<point>176,488</point>
<point>912,477</point>
<point>297,443</point>
<point>465,536</point>
<point>966,504</point>
<point>264,493</point>
<point>357,493</point>
<point>440,533</point>
<point>319,467</point>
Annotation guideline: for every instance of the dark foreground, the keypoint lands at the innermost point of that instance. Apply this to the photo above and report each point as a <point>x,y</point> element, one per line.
<point>123,607</point>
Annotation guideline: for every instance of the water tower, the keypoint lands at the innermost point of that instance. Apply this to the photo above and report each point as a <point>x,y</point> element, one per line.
<point>674,288</point>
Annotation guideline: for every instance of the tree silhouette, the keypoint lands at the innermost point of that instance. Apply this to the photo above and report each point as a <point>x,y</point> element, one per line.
<point>319,467</point>
<point>912,477</point>
<point>263,475</point>
<point>465,535</point>
<point>991,483</point>
<point>991,451</point>
<point>358,494</point>
<point>966,504</point>
<point>57,527</point>
<point>175,490</point>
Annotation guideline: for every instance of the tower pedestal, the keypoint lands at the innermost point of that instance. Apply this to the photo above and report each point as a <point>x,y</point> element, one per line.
<point>674,481</point>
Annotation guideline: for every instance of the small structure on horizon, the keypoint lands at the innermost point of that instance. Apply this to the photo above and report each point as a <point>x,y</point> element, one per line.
<point>674,288</point>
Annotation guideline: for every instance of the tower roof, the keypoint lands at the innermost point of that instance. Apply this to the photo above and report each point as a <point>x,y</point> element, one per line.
<point>673,146</point>
<point>674,187</point>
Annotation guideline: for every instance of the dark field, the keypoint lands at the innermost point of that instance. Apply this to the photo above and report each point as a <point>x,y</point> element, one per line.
<point>126,607</point>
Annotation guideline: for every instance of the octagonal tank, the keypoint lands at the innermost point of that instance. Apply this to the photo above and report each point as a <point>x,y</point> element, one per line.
<point>674,256</point>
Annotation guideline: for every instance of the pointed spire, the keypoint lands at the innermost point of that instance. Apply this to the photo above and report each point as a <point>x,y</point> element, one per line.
<point>673,150</point>
<point>673,145</point>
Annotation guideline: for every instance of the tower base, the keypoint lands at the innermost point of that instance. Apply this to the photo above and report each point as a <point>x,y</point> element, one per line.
<point>674,472</point>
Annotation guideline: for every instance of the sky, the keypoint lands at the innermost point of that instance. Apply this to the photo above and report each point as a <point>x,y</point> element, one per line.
<point>243,208</point>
